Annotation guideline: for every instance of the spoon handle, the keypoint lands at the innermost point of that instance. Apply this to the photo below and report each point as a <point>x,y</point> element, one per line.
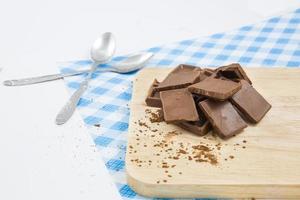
<point>67,111</point>
<point>40,79</point>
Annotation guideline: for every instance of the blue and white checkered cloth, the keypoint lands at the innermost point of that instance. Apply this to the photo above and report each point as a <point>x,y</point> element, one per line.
<point>271,43</point>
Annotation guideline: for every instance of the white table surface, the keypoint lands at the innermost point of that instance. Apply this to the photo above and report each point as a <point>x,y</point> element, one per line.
<point>40,160</point>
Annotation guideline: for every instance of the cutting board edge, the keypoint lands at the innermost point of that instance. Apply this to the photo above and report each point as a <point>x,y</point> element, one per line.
<point>267,191</point>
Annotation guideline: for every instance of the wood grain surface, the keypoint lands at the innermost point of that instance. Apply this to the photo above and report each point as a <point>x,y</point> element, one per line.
<point>263,161</point>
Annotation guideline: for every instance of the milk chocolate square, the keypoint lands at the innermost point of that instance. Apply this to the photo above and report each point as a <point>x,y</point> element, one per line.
<point>181,77</point>
<point>250,103</point>
<point>215,88</point>
<point>153,97</point>
<point>223,117</point>
<point>208,71</point>
<point>203,75</point>
<point>198,127</point>
<point>233,72</point>
<point>178,105</point>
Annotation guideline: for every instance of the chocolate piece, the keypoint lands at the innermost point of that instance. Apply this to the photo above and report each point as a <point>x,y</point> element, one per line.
<point>223,117</point>
<point>203,75</point>
<point>153,97</point>
<point>215,88</point>
<point>181,77</point>
<point>233,72</point>
<point>178,105</point>
<point>250,103</point>
<point>198,127</point>
<point>208,71</point>
<point>185,68</point>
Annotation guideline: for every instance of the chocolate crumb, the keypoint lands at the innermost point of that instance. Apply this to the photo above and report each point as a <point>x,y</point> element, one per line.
<point>201,147</point>
<point>182,151</point>
<point>204,154</point>
<point>231,157</point>
<point>156,116</point>
<point>143,124</point>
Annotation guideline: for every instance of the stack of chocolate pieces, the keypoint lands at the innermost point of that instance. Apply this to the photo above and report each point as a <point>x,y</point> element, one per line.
<point>200,100</point>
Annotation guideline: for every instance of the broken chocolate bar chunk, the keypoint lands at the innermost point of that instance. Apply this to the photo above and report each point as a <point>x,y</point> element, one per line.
<point>181,77</point>
<point>215,88</point>
<point>185,68</point>
<point>203,75</point>
<point>208,71</point>
<point>178,105</point>
<point>223,117</point>
<point>233,72</point>
<point>153,97</point>
<point>199,128</point>
<point>250,103</point>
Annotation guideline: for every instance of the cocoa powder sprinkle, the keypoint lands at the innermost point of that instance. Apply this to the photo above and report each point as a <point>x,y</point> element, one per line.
<point>156,117</point>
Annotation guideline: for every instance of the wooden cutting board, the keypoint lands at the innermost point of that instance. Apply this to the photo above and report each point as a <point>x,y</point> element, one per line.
<point>262,162</point>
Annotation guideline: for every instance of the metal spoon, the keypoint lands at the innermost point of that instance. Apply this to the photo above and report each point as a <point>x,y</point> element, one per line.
<point>125,66</point>
<point>101,51</point>
<point>130,64</point>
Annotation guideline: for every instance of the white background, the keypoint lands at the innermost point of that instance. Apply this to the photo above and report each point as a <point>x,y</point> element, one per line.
<point>39,160</point>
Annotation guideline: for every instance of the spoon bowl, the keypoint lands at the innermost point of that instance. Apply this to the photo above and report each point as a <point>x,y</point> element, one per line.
<point>132,63</point>
<point>103,48</point>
